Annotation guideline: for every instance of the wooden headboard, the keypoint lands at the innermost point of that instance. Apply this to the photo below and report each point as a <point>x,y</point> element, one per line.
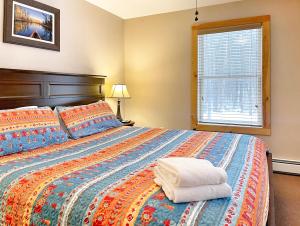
<point>20,88</point>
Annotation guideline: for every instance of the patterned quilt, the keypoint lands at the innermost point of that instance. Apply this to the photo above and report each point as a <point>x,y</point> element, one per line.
<point>107,179</point>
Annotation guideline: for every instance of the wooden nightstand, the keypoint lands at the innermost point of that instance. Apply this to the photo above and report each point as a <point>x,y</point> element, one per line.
<point>129,123</point>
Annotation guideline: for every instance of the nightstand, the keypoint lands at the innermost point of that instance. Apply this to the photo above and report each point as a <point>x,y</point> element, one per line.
<point>129,123</point>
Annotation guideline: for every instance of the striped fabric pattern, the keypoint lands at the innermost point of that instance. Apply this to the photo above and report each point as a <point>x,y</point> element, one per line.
<point>28,128</point>
<point>89,119</point>
<point>107,179</point>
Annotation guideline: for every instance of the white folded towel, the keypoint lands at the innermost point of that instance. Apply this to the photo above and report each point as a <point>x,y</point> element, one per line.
<point>190,194</point>
<point>189,172</point>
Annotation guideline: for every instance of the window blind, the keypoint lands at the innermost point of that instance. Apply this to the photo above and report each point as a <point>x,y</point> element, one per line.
<point>230,78</point>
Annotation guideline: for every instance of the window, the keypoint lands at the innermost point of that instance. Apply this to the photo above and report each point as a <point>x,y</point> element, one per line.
<point>231,76</point>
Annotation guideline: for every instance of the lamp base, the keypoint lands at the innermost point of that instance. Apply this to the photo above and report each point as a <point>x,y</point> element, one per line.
<point>119,117</point>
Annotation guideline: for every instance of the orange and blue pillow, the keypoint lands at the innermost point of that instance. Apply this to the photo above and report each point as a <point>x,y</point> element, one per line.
<point>28,129</point>
<point>88,119</point>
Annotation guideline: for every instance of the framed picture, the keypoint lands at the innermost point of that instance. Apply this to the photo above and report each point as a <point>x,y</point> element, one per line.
<point>31,23</point>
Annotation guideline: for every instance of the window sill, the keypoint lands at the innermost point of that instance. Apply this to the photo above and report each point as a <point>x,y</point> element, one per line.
<point>233,129</point>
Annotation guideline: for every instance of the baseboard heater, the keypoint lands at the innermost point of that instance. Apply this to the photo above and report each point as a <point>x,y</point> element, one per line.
<point>286,166</point>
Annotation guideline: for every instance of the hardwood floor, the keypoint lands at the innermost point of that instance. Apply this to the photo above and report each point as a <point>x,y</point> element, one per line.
<point>287,200</point>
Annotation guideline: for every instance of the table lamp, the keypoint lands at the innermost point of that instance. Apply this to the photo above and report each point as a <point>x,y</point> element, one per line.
<point>119,91</point>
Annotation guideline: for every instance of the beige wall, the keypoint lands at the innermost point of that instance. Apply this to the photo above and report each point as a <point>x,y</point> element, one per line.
<point>158,68</point>
<point>91,42</point>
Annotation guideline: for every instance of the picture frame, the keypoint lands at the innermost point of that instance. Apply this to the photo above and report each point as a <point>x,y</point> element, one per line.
<point>31,23</point>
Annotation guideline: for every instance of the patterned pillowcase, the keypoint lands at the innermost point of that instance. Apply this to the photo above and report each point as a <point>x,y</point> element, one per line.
<point>61,122</point>
<point>28,129</point>
<point>89,119</point>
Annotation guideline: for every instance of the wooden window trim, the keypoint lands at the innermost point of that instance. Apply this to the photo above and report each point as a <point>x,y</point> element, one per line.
<point>264,21</point>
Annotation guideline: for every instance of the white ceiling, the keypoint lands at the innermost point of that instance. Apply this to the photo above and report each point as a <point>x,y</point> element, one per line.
<point>127,9</point>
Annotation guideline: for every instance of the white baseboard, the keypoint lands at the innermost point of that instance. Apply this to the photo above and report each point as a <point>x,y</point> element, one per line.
<point>286,166</point>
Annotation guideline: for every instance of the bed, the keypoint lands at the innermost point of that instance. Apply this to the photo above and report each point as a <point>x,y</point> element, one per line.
<point>107,178</point>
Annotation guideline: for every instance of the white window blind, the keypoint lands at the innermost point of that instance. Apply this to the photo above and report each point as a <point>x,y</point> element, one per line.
<point>230,78</point>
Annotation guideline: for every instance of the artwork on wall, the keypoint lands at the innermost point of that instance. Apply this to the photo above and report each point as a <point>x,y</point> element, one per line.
<point>31,23</point>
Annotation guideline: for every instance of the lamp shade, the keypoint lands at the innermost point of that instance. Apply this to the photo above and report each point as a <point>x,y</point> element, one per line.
<point>119,91</point>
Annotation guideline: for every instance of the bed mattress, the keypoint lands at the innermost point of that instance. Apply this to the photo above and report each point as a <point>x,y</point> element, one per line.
<point>107,179</point>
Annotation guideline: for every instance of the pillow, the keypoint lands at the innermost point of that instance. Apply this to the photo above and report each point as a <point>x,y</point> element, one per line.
<point>27,129</point>
<point>61,122</point>
<point>89,119</point>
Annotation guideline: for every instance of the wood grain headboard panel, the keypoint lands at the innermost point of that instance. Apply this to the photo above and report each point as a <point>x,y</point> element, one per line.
<point>20,88</point>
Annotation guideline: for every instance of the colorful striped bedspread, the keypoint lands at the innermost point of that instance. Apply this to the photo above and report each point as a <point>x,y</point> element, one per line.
<point>107,179</point>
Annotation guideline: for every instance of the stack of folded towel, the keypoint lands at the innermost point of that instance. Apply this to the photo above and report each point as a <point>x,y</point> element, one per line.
<point>191,179</point>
